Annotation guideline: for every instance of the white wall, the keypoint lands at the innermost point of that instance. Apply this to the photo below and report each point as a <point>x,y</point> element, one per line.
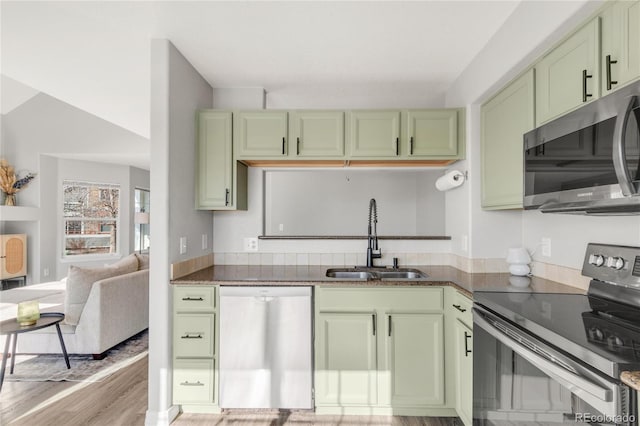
<point>33,135</point>
<point>532,29</point>
<point>177,91</point>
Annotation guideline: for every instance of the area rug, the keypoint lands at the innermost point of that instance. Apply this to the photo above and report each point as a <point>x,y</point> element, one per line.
<point>51,367</point>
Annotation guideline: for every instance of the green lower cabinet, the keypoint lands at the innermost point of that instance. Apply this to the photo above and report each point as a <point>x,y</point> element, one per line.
<point>380,351</point>
<point>415,345</point>
<point>346,362</point>
<point>195,378</point>
<point>464,368</point>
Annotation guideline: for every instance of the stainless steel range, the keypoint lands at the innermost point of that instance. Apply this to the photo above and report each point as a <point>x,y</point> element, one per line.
<point>545,359</point>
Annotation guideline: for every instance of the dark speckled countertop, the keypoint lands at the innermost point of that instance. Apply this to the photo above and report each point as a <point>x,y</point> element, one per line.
<point>315,275</point>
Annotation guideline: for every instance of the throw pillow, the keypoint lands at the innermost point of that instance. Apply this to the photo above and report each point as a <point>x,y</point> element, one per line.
<point>126,262</point>
<point>80,281</point>
<point>143,261</point>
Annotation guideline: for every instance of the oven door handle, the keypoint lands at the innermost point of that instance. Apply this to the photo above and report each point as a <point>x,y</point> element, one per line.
<point>619,156</point>
<point>571,381</point>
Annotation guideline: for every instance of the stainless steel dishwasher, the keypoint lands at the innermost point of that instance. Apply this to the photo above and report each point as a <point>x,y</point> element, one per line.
<point>265,347</point>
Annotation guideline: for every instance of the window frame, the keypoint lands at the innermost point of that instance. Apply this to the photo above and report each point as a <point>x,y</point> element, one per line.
<point>65,257</point>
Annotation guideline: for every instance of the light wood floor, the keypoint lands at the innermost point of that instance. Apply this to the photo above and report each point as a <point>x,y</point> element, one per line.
<point>122,400</point>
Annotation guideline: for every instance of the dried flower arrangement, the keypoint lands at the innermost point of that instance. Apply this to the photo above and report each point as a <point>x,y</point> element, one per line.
<point>10,183</point>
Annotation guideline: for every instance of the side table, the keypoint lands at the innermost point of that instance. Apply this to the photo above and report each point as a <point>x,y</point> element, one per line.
<point>11,328</point>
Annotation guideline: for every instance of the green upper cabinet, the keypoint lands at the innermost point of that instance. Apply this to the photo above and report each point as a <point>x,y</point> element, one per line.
<point>504,120</point>
<point>569,75</point>
<point>374,134</point>
<point>260,134</point>
<point>431,133</point>
<point>316,134</point>
<point>221,183</point>
<point>346,362</point>
<point>415,355</point>
<point>620,58</point>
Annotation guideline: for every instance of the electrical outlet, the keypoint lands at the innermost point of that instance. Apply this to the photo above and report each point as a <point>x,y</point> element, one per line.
<point>183,245</point>
<point>281,227</point>
<point>250,244</point>
<point>464,243</point>
<point>545,245</point>
<point>45,272</point>
<point>205,242</point>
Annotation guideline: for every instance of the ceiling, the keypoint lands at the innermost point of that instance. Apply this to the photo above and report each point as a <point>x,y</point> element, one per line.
<point>95,55</point>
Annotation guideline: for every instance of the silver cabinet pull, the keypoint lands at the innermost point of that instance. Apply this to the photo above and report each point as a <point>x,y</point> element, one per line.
<point>198,383</point>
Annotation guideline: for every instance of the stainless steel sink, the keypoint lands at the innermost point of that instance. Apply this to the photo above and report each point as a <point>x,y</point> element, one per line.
<point>376,274</point>
<point>406,274</point>
<point>350,274</point>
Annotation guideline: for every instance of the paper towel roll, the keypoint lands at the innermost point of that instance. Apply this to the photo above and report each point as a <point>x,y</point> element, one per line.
<point>450,180</point>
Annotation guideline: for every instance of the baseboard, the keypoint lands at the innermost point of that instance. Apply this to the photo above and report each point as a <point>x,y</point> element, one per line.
<point>385,411</point>
<point>161,418</point>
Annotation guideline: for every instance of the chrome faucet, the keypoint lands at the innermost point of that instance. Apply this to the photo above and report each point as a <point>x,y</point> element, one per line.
<point>373,251</point>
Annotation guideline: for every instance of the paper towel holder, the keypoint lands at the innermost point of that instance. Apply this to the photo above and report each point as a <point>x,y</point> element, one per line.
<point>459,178</point>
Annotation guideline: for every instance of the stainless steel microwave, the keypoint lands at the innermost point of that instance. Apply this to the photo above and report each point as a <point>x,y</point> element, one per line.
<point>588,161</point>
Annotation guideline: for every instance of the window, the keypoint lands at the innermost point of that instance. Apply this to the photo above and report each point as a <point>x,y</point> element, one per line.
<point>141,221</point>
<point>90,215</point>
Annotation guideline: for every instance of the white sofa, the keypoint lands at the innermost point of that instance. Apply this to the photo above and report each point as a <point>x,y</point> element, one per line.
<point>116,309</point>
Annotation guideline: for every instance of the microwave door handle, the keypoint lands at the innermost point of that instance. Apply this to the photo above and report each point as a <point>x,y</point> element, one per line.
<point>619,158</point>
<point>575,383</point>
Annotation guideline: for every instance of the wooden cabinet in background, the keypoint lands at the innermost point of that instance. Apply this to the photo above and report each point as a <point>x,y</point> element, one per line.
<point>13,256</point>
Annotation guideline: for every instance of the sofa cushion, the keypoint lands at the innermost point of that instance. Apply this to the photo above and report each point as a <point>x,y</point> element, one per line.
<point>80,281</point>
<point>143,261</point>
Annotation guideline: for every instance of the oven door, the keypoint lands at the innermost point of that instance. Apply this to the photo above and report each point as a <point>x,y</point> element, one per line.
<point>520,380</point>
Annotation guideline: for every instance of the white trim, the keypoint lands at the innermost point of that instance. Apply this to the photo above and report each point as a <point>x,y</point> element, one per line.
<point>91,257</point>
<point>161,418</point>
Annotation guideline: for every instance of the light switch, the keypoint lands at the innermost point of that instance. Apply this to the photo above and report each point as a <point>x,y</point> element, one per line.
<point>183,245</point>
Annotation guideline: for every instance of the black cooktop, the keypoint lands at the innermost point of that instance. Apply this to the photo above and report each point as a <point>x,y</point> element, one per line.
<point>601,332</point>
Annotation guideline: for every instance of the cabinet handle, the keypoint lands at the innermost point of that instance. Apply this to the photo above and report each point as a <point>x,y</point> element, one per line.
<point>373,320</point>
<point>397,146</point>
<point>192,299</point>
<point>609,81</point>
<point>467,351</point>
<point>585,95</point>
<point>460,308</point>
<point>226,197</point>
<point>411,146</point>
<point>192,384</point>
<point>190,336</point>
<point>283,146</point>
<point>297,146</point>
<point>389,325</point>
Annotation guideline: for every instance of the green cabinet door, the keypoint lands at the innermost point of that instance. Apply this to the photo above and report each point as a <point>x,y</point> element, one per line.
<point>346,362</point>
<point>374,134</point>
<point>221,182</point>
<point>260,134</point>
<point>415,359</point>
<point>316,134</point>
<point>620,59</point>
<point>431,133</point>
<point>464,368</point>
<point>504,120</point>
<point>214,176</point>
<point>569,75</point>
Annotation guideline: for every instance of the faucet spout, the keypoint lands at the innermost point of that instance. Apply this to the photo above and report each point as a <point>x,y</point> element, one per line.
<point>373,251</point>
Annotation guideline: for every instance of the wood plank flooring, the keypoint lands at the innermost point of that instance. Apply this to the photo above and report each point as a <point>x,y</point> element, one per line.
<point>122,400</point>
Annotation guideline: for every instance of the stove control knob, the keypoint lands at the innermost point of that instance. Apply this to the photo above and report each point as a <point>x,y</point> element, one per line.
<point>614,342</point>
<point>596,260</point>
<point>615,263</point>
<point>596,334</point>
